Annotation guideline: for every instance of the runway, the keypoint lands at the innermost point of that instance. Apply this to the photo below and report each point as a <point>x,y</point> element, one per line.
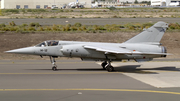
<point>27,80</point>
<point>89,21</point>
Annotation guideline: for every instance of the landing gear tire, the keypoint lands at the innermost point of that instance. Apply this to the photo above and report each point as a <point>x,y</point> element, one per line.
<point>104,65</point>
<point>110,68</point>
<point>54,68</point>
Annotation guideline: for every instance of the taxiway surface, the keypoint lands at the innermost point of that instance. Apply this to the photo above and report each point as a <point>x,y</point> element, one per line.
<point>89,21</point>
<point>27,80</point>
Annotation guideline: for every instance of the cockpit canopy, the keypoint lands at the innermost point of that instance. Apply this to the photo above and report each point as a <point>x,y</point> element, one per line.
<point>41,44</point>
<point>48,43</point>
<point>52,43</point>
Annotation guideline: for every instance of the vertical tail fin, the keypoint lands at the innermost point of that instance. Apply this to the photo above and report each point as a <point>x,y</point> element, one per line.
<point>151,35</point>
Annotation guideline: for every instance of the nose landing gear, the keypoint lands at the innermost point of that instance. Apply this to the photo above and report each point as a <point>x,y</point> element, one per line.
<point>53,61</point>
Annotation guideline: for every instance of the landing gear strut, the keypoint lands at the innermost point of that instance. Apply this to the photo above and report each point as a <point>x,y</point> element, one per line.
<point>53,61</point>
<point>104,65</point>
<point>109,67</point>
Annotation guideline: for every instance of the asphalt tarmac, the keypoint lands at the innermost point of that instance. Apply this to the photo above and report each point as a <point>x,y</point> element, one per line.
<point>75,80</point>
<point>89,21</point>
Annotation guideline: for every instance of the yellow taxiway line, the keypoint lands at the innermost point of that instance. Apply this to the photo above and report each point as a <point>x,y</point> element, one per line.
<point>114,90</point>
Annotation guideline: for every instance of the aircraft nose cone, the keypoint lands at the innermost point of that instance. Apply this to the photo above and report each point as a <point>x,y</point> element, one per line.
<point>27,50</point>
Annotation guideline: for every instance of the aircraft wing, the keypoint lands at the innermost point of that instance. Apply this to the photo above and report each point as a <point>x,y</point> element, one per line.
<point>110,49</point>
<point>118,50</point>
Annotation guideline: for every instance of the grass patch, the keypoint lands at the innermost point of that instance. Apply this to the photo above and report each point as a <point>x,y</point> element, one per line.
<point>78,27</point>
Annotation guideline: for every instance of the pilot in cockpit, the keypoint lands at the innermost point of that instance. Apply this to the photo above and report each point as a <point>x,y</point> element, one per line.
<point>52,43</point>
<point>49,43</point>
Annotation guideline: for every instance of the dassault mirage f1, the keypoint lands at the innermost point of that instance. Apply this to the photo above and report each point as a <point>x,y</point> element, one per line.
<point>142,47</point>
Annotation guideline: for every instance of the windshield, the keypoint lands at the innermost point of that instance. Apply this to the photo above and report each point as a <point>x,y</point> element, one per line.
<point>41,44</point>
<point>49,43</point>
<point>52,43</point>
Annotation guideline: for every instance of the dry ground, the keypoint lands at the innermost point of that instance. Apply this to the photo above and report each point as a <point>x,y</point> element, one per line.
<point>10,41</point>
<point>98,13</point>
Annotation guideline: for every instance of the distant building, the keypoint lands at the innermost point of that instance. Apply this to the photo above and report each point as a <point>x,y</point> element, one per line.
<point>119,1</point>
<point>36,4</point>
<point>165,2</point>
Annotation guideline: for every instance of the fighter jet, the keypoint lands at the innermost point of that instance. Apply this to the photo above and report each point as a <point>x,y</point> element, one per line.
<point>142,47</point>
<point>76,4</point>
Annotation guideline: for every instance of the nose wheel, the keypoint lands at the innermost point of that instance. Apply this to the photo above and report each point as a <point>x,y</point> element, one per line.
<point>53,61</point>
<point>54,68</point>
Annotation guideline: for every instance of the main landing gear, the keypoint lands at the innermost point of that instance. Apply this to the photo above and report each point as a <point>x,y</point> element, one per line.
<point>107,66</point>
<point>104,65</point>
<point>53,61</point>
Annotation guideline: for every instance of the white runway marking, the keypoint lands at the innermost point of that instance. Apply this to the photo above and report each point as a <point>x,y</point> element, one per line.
<point>161,80</point>
<point>157,74</point>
